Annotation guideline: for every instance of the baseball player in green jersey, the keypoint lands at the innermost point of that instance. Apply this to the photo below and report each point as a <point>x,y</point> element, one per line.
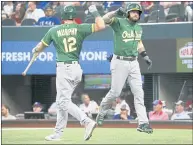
<point>67,39</point>
<point>124,64</point>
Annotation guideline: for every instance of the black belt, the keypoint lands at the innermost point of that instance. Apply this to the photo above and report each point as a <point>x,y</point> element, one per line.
<point>126,58</point>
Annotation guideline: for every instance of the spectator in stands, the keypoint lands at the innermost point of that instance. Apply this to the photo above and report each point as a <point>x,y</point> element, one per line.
<point>188,99</point>
<point>73,3</point>
<point>165,109</point>
<point>8,8</point>
<point>147,6</point>
<point>108,4</point>
<point>33,13</point>
<point>189,108</point>
<point>129,2</point>
<point>96,3</point>
<point>180,113</point>
<point>42,4</point>
<point>167,6</point>
<point>123,114</point>
<point>120,102</point>
<point>188,11</point>
<point>88,106</point>
<point>4,15</point>
<point>49,19</point>
<point>37,107</point>
<point>54,5</point>
<point>5,111</point>
<point>53,109</point>
<point>158,113</point>
<point>19,13</point>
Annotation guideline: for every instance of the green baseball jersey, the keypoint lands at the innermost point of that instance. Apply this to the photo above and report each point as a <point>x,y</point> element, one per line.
<point>126,37</point>
<point>67,39</point>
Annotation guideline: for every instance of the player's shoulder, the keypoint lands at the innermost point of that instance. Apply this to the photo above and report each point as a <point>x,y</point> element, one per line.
<point>54,28</point>
<point>121,19</point>
<point>84,25</point>
<point>138,26</point>
<point>117,19</point>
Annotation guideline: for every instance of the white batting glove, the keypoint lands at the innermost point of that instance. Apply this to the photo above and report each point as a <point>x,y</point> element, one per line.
<point>92,9</point>
<point>34,50</point>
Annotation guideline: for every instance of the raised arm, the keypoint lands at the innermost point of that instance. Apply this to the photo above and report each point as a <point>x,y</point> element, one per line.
<point>39,47</point>
<point>99,22</point>
<point>108,17</point>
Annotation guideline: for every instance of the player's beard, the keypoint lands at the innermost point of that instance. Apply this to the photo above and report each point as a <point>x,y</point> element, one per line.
<point>133,20</point>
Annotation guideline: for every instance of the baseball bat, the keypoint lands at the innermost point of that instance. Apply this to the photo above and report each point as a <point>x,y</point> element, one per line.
<point>30,63</point>
<point>181,92</point>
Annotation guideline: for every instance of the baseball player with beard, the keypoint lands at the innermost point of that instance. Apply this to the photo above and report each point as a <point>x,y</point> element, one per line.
<point>124,64</point>
<point>67,39</point>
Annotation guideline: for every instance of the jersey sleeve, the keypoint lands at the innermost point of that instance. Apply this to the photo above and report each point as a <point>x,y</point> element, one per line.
<point>47,39</point>
<point>115,24</point>
<point>86,29</point>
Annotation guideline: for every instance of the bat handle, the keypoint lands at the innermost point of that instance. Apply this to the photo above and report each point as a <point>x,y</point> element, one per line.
<point>24,73</point>
<point>30,63</point>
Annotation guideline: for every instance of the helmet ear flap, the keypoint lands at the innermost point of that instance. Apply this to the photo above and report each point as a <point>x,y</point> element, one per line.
<point>127,14</point>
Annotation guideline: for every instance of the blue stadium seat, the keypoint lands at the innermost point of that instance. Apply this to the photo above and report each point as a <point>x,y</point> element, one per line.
<point>157,15</point>
<point>8,22</point>
<point>28,22</point>
<point>176,11</point>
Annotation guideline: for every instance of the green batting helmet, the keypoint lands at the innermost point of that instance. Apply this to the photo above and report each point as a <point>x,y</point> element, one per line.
<point>68,12</point>
<point>133,7</point>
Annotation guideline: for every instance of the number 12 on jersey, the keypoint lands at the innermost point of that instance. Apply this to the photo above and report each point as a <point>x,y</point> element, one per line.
<point>69,44</point>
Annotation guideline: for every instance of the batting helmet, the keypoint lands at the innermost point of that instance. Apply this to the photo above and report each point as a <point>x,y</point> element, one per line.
<point>133,7</point>
<point>68,13</point>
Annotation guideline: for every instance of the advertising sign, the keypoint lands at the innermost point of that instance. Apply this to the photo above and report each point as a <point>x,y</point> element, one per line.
<point>17,54</point>
<point>184,55</point>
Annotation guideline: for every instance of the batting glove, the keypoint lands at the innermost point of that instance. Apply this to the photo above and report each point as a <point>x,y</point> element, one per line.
<point>121,11</point>
<point>34,50</point>
<point>148,61</point>
<point>92,9</point>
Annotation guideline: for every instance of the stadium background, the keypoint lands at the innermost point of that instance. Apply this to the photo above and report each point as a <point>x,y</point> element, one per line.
<point>165,37</point>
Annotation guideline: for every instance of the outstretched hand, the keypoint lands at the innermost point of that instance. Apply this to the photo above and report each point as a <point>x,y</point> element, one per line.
<point>92,9</point>
<point>121,11</point>
<point>148,61</point>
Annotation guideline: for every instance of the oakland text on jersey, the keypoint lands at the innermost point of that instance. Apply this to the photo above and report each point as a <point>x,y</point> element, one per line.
<point>131,35</point>
<point>67,32</point>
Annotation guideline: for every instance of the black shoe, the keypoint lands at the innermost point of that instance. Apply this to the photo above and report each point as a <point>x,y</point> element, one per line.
<point>145,128</point>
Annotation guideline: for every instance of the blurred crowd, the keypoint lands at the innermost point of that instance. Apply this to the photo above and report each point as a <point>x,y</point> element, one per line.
<point>48,13</point>
<point>122,109</point>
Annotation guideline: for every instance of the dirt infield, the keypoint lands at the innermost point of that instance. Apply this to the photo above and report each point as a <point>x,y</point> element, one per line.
<point>107,124</point>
